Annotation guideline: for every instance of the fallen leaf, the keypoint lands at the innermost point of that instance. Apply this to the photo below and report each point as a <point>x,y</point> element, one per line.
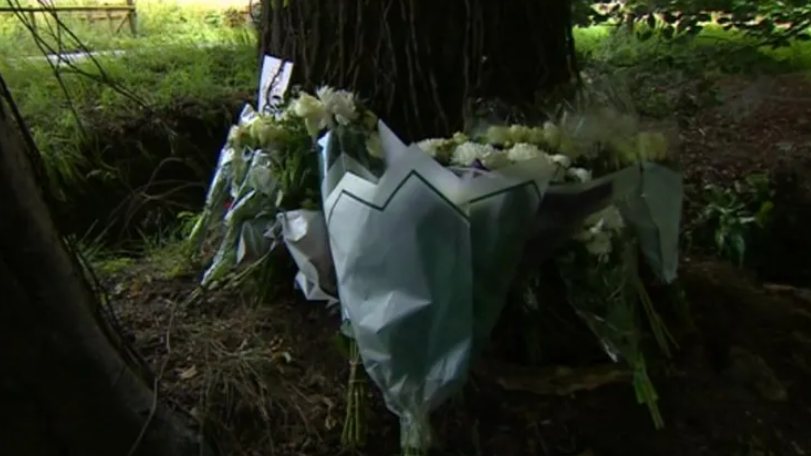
<point>189,373</point>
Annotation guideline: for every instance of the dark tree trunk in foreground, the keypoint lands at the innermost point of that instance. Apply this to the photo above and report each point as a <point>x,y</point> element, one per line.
<point>64,387</point>
<point>421,61</point>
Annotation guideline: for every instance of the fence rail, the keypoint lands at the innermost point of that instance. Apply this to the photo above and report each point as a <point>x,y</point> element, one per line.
<point>109,13</point>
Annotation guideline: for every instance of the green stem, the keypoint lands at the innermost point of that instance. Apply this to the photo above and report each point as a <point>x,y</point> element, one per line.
<point>354,432</point>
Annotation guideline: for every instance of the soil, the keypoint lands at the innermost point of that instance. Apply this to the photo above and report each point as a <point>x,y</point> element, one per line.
<point>270,379</point>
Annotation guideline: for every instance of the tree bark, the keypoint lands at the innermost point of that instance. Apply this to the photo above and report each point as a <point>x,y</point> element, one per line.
<point>420,62</point>
<point>64,387</point>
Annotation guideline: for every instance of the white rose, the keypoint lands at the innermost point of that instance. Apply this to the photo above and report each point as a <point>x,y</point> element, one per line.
<point>520,134</point>
<point>536,136</point>
<point>495,160</point>
<point>498,135</point>
<point>338,103</point>
<point>599,244</point>
<point>312,111</point>
<point>582,175</point>
<point>612,219</point>
<point>460,138</point>
<point>465,154</point>
<point>431,146</point>
<point>562,161</point>
<point>524,151</point>
<point>609,218</point>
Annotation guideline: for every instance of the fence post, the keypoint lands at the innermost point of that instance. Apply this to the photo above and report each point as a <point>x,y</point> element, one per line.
<point>132,15</point>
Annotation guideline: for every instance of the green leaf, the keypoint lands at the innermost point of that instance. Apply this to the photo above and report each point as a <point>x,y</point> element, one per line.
<point>645,36</point>
<point>738,247</point>
<point>720,239</point>
<point>764,213</point>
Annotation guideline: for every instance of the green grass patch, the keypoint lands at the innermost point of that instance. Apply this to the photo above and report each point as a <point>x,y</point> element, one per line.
<point>728,51</point>
<point>158,23</point>
<point>71,115</point>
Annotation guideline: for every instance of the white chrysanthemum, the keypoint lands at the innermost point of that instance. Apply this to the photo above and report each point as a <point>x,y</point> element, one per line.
<point>465,154</point>
<point>524,151</point>
<point>338,103</point>
<point>495,160</point>
<point>581,174</point>
<point>312,110</point>
<point>599,244</point>
<point>562,161</point>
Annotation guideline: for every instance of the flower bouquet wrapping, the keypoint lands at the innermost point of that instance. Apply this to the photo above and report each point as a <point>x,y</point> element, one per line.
<point>245,192</point>
<point>410,251</point>
<point>641,212</point>
<point>304,232</point>
<point>615,194</point>
<point>421,244</point>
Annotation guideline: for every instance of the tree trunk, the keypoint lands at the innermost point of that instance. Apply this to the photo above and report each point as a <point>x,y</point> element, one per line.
<point>64,388</point>
<point>420,62</point>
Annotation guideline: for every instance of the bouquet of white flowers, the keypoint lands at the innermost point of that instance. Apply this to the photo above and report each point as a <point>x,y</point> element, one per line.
<point>421,244</point>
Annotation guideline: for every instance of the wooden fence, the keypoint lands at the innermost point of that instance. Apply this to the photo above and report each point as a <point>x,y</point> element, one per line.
<point>126,14</point>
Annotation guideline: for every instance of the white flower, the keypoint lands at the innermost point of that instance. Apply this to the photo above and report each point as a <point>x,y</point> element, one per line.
<point>536,136</point>
<point>495,160</point>
<point>562,161</point>
<point>233,135</point>
<point>520,134</point>
<point>498,135</point>
<point>524,151</point>
<point>465,154</point>
<point>551,135</point>
<point>612,218</point>
<point>339,104</point>
<point>599,244</point>
<point>265,132</point>
<point>581,174</point>
<point>651,146</point>
<point>460,138</point>
<point>312,111</point>
<point>431,146</point>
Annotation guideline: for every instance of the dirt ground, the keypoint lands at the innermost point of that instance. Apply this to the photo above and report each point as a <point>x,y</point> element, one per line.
<point>269,379</point>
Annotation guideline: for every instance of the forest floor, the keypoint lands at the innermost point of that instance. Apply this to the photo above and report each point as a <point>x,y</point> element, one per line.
<point>270,379</point>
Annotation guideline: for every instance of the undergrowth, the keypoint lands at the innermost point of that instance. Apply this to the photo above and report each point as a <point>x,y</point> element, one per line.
<point>188,61</point>
<point>71,116</point>
<point>158,22</point>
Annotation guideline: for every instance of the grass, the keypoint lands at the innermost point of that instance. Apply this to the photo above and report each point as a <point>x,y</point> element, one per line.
<point>159,22</point>
<point>715,48</point>
<point>163,70</point>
